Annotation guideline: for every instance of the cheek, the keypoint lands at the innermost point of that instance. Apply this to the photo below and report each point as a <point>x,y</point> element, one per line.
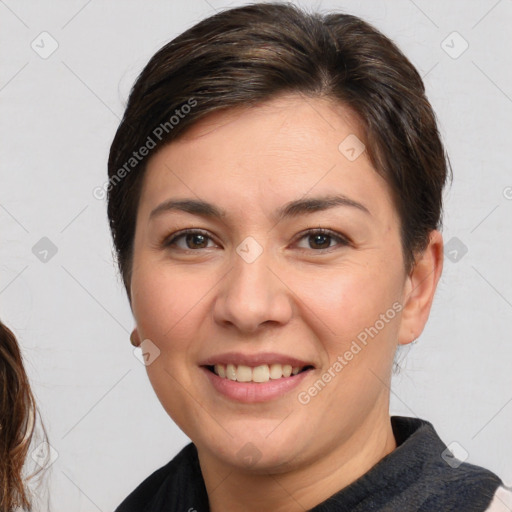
<point>358,333</point>
<point>164,302</point>
<point>348,300</point>
<point>166,305</point>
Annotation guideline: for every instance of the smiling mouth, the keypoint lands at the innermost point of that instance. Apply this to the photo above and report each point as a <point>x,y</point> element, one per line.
<point>258,374</point>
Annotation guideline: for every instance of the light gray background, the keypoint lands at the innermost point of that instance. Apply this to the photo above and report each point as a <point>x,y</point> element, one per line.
<point>70,313</point>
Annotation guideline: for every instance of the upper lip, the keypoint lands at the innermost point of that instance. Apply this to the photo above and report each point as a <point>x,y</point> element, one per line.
<point>253,360</point>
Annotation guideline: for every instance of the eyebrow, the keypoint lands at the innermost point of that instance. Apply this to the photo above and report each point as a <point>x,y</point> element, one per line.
<point>291,209</point>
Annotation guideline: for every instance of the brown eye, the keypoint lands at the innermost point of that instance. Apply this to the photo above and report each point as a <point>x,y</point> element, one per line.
<point>189,240</point>
<point>196,241</point>
<point>321,239</point>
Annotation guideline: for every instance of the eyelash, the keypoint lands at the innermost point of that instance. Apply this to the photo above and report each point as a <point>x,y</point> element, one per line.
<point>342,241</point>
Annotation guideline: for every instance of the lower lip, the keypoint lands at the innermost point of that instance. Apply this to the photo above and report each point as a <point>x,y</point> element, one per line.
<point>253,392</point>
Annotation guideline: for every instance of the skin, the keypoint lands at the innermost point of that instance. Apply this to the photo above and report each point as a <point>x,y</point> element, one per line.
<point>298,297</point>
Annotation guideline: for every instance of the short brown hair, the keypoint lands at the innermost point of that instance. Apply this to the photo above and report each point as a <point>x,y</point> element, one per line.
<point>247,55</point>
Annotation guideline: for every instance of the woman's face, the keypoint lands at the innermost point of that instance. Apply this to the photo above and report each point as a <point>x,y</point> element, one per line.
<point>259,288</point>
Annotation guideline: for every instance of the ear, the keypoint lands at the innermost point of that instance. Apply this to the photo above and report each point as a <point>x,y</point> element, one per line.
<point>135,338</point>
<point>419,289</point>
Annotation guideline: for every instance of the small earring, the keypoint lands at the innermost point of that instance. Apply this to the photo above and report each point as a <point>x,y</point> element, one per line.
<point>133,341</point>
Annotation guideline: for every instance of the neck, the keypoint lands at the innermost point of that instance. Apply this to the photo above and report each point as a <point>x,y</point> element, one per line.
<point>304,487</point>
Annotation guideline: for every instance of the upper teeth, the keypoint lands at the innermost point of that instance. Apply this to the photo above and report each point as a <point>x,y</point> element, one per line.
<point>262,373</point>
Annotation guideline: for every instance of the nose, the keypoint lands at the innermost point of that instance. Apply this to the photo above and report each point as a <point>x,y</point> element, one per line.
<point>251,295</point>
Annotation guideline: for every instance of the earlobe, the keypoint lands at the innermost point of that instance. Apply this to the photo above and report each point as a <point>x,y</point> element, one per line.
<point>420,288</point>
<point>135,338</point>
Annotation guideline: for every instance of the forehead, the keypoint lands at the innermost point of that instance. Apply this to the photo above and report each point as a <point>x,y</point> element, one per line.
<point>266,155</point>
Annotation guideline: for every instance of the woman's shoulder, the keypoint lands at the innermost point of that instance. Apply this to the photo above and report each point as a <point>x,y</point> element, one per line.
<point>444,470</point>
<point>420,474</point>
<point>502,500</point>
<point>176,486</point>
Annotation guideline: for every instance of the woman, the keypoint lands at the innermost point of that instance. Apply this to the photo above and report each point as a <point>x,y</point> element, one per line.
<point>17,421</point>
<point>275,194</point>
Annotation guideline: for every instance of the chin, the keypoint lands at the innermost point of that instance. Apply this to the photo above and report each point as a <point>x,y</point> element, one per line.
<point>257,448</point>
